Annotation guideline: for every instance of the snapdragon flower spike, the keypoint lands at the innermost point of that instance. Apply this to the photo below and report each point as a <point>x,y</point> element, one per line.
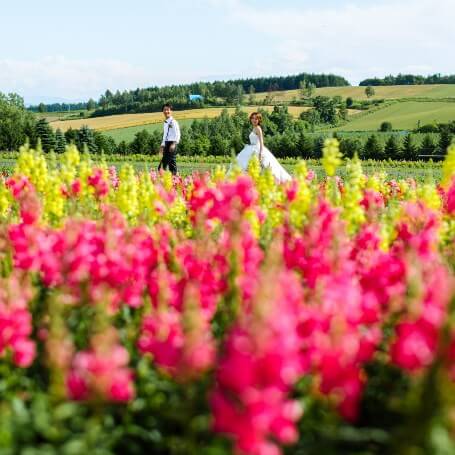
<point>25,194</point>
<point>97,181</point>
<point>418,332</point>
<point>418,230</point>
<point>337,339</point>
<point>251,257</point>
<point>312,253</point>
<point>449,198</point>
<point>101,372</point>
<point>18,184</point>
<point>382,275</point>
<point>16,320</point>
<point>259,365</point>
<point>113,177</point>
<point>179,339</point>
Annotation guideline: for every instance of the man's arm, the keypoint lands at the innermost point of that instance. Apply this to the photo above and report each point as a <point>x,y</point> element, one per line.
<point>177,131</point>
<point>163,142</point>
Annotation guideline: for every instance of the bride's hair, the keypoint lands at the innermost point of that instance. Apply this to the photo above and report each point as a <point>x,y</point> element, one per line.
<point>258,116</point>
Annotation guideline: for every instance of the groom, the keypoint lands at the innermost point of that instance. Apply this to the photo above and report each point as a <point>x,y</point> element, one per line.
<point>171,137</point>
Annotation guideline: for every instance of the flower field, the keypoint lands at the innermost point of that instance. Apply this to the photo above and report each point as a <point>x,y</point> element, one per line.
<point>224,313</point>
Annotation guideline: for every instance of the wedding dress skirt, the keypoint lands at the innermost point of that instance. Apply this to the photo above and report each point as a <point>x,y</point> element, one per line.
<point>268,159</point>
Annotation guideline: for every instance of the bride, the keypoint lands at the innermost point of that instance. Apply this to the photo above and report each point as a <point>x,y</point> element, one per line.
<point>257,148</point>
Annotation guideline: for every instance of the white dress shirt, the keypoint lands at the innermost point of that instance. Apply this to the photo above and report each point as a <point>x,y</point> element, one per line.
<point>171,131</point>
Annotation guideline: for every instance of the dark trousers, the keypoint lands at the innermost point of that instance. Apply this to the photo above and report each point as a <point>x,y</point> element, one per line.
<point>169,157</point>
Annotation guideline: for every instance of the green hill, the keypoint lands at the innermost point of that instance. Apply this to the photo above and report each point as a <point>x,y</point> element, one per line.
<point>403,115</point>
<point>358,93</point>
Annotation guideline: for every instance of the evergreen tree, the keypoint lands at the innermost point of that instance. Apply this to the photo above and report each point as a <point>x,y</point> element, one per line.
<point>445,139</point>
<point>122,148</point>
<point>373,149</point>
<point>281,118</point>
<point>104,143</point>
<point>85,138</point>
<point>428,147</point>
<point>392,148</point>
<point>45,134</point>
<point>350,147</point>
<point>60,141</point>
<point>141,142</point>
<point>410,151</point>
<point>70,136</point>
<point>305,146</point>
<point>386,127</point>
<point>318,146</point>
<point>91,104</point>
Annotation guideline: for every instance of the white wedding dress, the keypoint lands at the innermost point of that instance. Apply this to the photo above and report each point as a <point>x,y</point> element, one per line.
<point>268,160</point>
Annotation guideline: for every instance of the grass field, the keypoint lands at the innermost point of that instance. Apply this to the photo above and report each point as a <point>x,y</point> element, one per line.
<point>358,93</point>
<point>54,116</point>
<point>127,134</point>
<point>403,115</point>
<point>113,122</point>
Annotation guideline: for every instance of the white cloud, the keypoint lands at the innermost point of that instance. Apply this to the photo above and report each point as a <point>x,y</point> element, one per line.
<point>67,78</point>
<point>356,39</point>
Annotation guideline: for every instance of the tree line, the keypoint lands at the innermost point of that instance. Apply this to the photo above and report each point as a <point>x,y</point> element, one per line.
<point>62,107</point>
<point>409,79</point>
<point>218,93</point>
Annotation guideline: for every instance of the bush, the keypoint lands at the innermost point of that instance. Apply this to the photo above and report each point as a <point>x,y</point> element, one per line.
<point>385,127</point>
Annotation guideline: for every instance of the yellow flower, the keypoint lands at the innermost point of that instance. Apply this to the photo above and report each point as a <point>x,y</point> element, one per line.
<point>428,194</point>
<point>448,167</point>
<point>331,158</point>
<point>353,212</point>
<point>126,196</point>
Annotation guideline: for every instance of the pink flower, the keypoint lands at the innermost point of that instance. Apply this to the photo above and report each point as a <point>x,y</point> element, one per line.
<point>101,372</point>
<point>24,352</point>
<point>77,387</point>
<point>415,345</point>
<point>16,320</point>
<point>76,187</point>
<point>260,364</point>
<point>180,341</point>
<point>97,181</point>
<point>450,198</point>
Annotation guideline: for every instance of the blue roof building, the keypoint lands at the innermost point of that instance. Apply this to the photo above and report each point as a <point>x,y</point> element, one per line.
<point>195,97</point>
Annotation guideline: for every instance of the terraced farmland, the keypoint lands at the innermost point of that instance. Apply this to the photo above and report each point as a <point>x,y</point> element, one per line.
<point>403,115</point>
<point>358,93</point>
<point>113,122</point>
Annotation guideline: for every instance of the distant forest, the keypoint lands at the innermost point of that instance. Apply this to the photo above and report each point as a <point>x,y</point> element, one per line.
<point>218,93</point>
<point>409,79</point>
<point>58,107</point>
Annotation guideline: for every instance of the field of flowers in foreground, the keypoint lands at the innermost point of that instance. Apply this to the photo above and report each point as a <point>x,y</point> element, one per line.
<point>141,313</point>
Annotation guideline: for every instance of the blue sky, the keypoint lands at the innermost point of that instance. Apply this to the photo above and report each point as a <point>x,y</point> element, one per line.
<point>75,50</point>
